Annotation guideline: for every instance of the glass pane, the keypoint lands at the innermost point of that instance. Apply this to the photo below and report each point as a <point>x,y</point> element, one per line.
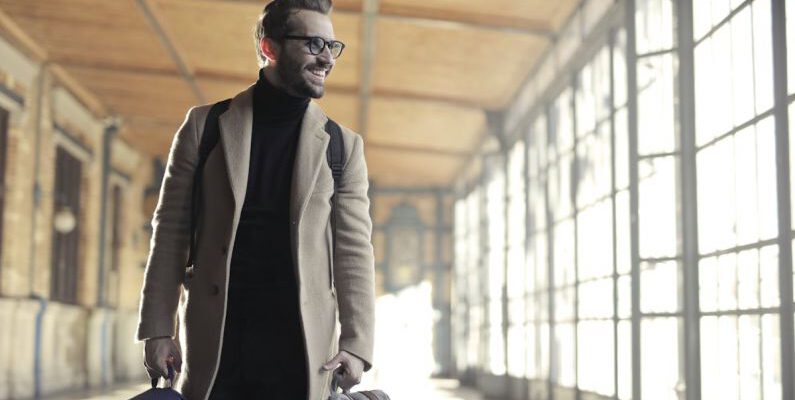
<point>771,357</point>
<point>473,344</point>
<point>516,366</point>
<point>766,179</point>
<point>727,282</point>
<point>763,55</point>
<point>792,142</point>
<point>496,350</point>
<point>745,186</point>
<point>593,93</point>
<point>585,100</point>
<point>708,284</point>
<point>720,357</point>
<point>564,305</point>
<point>656,128</point>
<point>713,86</point>
<point>541,261</point>
<point>593,166</point>
<point>595,357</point>
<point>539,144</point>
<point>516,310</point>
<point>595,241</point>
<point>621,149</point>
<point>742,67</point>
<point>495,206</point>
<point>624,360</point>
<point>595,299</point>
<point>624,296</point>
<point>748,279</point>
<point>516,272</point>
<point>564,253</point>
<point>543,350</point>
<point>750,368</point>
<point>654,24</point>
<point>623,251</point>
<point>659,287</point>
<point>790,53</point>
<point>559,187</point>
<point>620,69</point>
<point>657,217</point>
<point>561,122</point>
<point>702,20</point>
<point>660,358</point>
<point>716,205</point>
<point>531,339</point>
<point>768,276</point>
<point>564,344</point>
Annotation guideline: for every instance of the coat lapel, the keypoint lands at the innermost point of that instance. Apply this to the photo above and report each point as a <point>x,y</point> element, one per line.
<point>310,154</point>
<point>236,124</point>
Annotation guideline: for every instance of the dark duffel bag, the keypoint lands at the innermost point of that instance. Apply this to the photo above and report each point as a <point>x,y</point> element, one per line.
<point>156,393</point>
<point>363,395</point>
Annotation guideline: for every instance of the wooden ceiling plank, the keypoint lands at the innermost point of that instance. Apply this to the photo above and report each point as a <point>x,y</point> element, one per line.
<point>462,19</point>
<point>156,22</point>
<point>368,54</point>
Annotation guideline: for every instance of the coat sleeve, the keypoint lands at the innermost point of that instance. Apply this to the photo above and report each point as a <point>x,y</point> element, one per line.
<point>353,258</point>
<point>169,243</point>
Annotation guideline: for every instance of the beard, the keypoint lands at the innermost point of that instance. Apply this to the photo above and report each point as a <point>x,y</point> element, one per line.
<point>293,75</point>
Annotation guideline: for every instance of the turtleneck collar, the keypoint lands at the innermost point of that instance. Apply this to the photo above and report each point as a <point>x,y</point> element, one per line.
<point>273,103</point>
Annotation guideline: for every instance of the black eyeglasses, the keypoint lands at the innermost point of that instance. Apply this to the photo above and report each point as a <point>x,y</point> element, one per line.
<point>316,44</point>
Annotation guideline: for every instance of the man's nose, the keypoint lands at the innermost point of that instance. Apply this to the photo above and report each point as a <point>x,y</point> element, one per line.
<point>325,56</point>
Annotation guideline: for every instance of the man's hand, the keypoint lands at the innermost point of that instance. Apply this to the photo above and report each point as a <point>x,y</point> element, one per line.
<point>352,369</point>
<point>159,352</point>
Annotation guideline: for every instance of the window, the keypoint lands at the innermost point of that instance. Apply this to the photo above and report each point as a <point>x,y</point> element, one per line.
<point>516,260</point>
<point>495,259</point>
<point>66,229</point>
<point>737,205</point>
<point>116,243</point>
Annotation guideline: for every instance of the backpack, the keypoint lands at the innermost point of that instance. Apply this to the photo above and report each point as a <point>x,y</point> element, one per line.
<point>335,156</point>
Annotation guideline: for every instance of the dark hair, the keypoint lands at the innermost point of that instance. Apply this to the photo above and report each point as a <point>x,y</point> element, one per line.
<point>274,22</point>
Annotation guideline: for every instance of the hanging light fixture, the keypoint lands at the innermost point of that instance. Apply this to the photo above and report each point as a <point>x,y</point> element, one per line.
<point>64,220</point>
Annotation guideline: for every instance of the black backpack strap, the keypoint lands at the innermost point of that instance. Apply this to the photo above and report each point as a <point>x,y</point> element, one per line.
<point>335,154</point>
<point>209,139</point>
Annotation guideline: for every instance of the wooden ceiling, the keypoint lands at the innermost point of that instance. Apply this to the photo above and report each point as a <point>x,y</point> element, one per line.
<point>416,79</point>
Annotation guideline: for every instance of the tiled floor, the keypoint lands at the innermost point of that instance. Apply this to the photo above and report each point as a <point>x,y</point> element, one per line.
<point>435,389</point>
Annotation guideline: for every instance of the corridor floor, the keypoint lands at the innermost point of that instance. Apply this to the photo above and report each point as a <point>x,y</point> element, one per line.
<point>434,389</point>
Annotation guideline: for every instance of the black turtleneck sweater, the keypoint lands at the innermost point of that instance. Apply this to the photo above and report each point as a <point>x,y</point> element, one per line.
<point>262,258</point>
<point>263,348</point>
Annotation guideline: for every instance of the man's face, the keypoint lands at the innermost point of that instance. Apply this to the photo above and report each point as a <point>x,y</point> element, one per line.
<point>303,73</point>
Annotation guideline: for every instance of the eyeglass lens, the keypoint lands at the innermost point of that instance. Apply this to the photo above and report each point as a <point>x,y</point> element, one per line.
<point>316,46</point>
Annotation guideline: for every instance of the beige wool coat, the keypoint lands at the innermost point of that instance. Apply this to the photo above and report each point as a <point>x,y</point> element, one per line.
<point>329,291</point>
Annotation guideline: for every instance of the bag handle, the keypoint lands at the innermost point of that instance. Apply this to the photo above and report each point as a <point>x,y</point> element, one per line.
<point>169,379</point>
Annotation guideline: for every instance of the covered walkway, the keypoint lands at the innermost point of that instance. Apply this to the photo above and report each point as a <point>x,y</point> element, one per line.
<point>571,200</point>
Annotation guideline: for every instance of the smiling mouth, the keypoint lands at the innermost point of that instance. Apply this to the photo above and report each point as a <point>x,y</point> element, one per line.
<point>318,73</point>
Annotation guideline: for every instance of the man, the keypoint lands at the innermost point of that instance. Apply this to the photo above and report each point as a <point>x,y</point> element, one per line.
<point>260,321</point>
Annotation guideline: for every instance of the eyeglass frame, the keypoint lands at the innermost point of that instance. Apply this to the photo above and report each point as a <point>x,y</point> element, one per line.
<point>326,43</point>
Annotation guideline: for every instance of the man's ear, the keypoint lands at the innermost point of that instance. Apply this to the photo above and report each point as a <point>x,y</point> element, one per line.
<point>269,49</point>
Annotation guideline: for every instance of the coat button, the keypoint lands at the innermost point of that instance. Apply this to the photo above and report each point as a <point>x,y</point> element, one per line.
<point>224,249</point>
<point>293,222</point>
<point>215,290</point>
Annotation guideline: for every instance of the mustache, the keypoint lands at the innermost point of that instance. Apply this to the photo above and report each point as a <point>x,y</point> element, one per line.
<point>325,66</point>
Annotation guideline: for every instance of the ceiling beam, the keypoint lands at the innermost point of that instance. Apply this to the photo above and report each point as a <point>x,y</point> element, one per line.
<point>239,79</point>
<point>413,149</point>
<point>156,22</point>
